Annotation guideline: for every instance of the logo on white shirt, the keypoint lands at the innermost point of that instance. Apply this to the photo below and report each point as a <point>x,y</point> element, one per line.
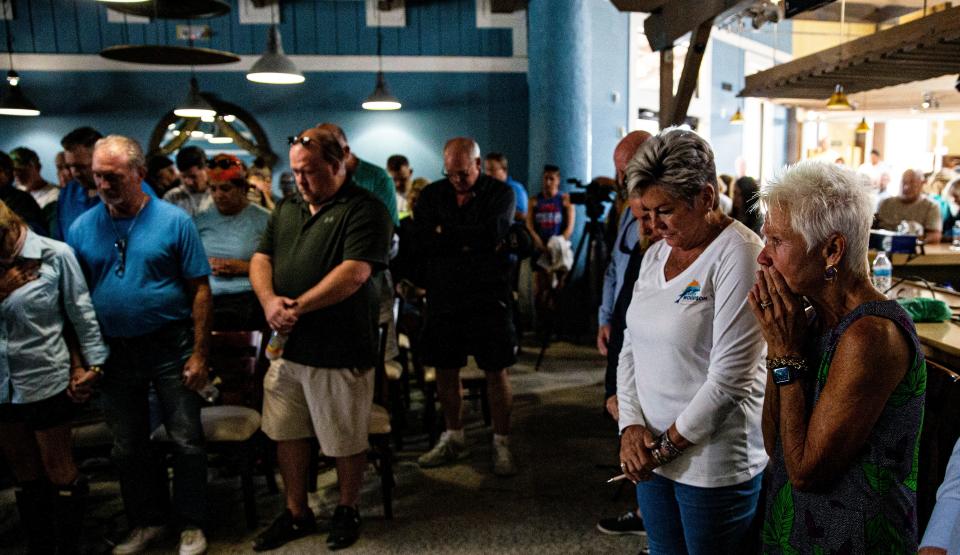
<point>691,294</point>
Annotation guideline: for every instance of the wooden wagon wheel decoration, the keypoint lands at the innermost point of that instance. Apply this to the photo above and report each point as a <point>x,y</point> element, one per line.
<point>258,147</point>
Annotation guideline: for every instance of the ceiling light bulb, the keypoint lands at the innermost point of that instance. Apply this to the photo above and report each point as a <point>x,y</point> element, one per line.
<point>381,99</point>
<point>274,67</point>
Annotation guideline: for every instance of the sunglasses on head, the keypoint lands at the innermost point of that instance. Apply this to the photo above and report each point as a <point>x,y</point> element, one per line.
<point>223,163</point>
<point>299,140</point>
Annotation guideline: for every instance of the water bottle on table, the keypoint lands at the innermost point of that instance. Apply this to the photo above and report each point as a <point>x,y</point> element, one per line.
<point>955,246</point>
<point>882,272</point>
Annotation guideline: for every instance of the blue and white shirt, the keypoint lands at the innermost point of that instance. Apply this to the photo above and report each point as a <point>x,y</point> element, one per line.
<point>34,358</point>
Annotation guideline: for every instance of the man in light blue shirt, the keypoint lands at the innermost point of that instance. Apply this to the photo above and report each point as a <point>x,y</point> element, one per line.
<point>943,530</point>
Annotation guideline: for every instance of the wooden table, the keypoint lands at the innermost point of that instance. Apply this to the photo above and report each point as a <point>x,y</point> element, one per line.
<point>938,264</point>
<point>941,340</point>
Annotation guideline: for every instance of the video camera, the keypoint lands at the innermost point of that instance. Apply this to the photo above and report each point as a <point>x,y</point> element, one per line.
<point>594,195</point>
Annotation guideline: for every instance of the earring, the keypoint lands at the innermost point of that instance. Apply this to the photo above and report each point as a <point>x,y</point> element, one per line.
<point>830,273</point>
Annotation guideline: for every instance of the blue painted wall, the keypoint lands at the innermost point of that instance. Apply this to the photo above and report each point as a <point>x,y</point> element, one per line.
<point>725,139</point>
<point>610,67</point>
<point>442,28</point>
<point>490,107</point>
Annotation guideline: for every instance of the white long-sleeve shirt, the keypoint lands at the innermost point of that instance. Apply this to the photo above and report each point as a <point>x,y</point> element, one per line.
<point>693,354</point>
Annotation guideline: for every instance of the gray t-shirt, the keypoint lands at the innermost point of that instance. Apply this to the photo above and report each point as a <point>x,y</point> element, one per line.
<point>192,203</point>
<point>924,211</point>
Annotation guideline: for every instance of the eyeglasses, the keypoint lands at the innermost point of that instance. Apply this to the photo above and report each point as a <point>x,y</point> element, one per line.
<point>456,176</point>
<point>223,163</point>
<point>121,246</point>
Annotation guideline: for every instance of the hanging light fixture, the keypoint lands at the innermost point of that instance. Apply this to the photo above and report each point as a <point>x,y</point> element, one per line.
<point>737,118</point>
<point>274,67</point>
<point>838,100</point>
<point>14,102</point>
<point>863,127</point>
<point>195,105</point>
<point>380,98</point>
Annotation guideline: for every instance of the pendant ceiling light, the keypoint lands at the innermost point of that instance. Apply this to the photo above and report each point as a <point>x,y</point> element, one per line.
<point>863,127</point>
<point>14,102</point>
<point>195,106</point>
<point>736,118</point>
<point>838,100</point>
<point>380,98</point>
<point>274,67</point>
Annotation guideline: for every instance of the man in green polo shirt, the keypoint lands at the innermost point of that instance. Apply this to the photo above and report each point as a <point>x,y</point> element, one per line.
<point>312,274</point>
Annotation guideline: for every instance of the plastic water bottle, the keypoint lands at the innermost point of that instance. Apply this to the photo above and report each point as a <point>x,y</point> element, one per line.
<point>274,348</point>
<point>955,246</point>
<point>882,272</point>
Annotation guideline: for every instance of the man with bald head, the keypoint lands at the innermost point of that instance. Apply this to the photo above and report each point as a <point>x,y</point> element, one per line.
<point>618,283</point>
<point>912,206</point>
<point>461,226</point>
<point>311,274</point>
<point>148,278</point>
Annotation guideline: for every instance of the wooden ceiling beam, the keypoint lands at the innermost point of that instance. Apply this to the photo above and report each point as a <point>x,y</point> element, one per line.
<point>930,47</point>
<point>679,17</point>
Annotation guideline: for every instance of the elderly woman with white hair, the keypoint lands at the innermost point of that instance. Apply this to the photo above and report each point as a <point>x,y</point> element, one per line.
<point>690,375</point>
<point>846,383</point>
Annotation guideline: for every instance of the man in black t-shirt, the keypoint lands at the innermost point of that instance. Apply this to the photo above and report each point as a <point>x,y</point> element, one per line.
<point>461,223</point>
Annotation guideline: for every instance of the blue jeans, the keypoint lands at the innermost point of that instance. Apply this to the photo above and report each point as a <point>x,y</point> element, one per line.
<point>685,519</point>
<point>135,363</point>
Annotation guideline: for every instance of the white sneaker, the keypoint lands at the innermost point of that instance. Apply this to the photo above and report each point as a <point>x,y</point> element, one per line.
<point>139,539</point>
<point>192,542</point>
<point>503,460</point>
<point>447,450</point>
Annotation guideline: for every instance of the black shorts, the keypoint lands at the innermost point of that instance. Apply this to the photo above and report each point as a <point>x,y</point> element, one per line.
<point>40,415</point>
<point>484,331</point>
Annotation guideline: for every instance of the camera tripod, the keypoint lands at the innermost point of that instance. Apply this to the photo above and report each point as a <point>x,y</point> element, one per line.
<point>594,238</point>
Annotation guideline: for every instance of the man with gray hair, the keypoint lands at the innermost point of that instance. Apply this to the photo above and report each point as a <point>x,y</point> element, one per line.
<point>461,225</point>
<point>912,206</point>
<point>148,278</point>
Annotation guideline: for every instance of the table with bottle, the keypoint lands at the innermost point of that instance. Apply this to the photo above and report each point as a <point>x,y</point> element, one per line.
<point>938,263</point>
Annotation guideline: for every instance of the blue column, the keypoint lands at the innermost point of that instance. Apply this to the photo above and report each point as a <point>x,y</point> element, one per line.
<point>559,81</point>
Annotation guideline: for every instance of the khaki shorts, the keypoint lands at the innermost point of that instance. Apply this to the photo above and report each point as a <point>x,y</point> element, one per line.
<point>332,404</point>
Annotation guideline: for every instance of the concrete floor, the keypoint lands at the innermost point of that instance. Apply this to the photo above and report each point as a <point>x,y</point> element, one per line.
<point>565,450</point>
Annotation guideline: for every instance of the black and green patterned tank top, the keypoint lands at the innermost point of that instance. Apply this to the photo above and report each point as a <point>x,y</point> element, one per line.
<point>872,507</point>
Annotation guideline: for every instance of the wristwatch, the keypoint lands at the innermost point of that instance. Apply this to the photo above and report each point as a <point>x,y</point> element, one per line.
<point>785,375</point>
<point>787,369</point>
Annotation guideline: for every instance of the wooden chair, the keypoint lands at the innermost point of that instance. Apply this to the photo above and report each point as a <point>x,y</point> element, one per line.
<point>232,428</point>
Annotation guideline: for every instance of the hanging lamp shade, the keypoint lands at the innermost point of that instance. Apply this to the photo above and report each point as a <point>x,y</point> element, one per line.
<point>737,118</point>
<point>381,99</point>
<point>863,127</point>
<point>838,100</point>
<point>14,102</point>
<point>195,106</point>
<point>274,67</point>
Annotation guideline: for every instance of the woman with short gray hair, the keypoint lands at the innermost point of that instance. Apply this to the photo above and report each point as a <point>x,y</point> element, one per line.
<point>845,395</point>
<point>690,375</point>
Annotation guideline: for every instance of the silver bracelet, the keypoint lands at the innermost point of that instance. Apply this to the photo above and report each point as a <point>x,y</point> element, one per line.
<point>667,450</point>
